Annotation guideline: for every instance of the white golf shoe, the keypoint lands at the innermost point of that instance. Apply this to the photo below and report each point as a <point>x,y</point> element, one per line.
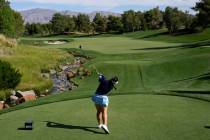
<point>100,126</point>
<point>104,127</point>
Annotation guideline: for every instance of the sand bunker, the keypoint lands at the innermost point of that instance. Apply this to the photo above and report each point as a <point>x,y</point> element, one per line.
<point>56,42</point>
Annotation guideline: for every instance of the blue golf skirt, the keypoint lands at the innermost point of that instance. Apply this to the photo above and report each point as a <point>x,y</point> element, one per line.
<point>101,100</point>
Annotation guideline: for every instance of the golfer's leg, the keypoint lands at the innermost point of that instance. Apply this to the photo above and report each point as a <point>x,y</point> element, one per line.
<point>104,115</point>
<point>98,114</point>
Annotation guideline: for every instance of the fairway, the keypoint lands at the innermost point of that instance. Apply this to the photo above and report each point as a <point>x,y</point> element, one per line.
<point>130,117</point>
<point>149,70</point>
<point>135,70</point>
<point>114,45</point>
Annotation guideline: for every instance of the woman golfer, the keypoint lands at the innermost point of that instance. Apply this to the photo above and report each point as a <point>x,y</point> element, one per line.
<point>101,100</point>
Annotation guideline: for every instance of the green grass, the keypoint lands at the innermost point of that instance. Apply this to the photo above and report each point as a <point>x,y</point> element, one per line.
<point>162,35</point>
<point>149,65</point>
<point>130,117</point>
<point>30,60</point>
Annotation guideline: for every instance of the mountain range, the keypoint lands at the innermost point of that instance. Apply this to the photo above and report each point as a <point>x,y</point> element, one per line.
<point>39,15</point>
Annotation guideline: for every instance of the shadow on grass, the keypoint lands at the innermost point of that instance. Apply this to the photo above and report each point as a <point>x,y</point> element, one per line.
<point>64,126</point>
<point>23,128</point>
<point>191,91</point>
<point>184,46</point>
<point>207,127</point>
<point>201,77</point>
<point>153,35</point>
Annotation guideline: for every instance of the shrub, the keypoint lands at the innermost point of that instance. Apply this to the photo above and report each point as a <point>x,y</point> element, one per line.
<point>4,94</point>
<point>9,76</point>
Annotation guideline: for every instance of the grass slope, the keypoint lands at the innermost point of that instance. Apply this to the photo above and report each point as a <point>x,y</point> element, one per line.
<point>130,117</point>
<point>180,71</point>
<point>145,65</point>
<point>30,60</point>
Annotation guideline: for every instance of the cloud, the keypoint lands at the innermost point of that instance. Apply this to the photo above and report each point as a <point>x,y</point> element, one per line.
<point>116,3</point>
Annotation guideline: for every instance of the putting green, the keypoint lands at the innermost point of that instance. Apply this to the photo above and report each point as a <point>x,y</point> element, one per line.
<point>147,117</point>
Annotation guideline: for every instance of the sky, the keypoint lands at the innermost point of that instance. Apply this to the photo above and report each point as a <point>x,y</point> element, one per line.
<point>101,5</point>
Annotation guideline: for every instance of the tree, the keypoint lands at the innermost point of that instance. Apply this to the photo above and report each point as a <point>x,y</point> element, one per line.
<point>19,24</point>
<point>188,21</point>
<point>82,23</point>
<point>58,23</point>
<point>34,28</point>
<point>9,77</point>
<point>70,24</point>
<point>128,20</point>
<point>173,19</point>
<point>114,24</point>
<point>140,22</point>
<point>44,29</point>
<point>7,20</point>
<point>11,23</point>
<point>154,18</point>
<point>29,29</point>
<point>100,23</point>
<point>203,9</point>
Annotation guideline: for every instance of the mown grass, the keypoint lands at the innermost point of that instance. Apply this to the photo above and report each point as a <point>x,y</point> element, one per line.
<point>163,36</point>
<point>130,117</point>
<point>143,68</point>
<point>148,70</point>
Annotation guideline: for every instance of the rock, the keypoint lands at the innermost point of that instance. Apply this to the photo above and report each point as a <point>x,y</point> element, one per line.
<point>13,99</point>
<point>28,95</point>
<point>1,105</point>
<point>63,68</point>
<point>75,66</point>
<point>42,95</point>
<point>13,92</point>
<point>82,60</point>
<point>70,75</point>
<point>52,71</point>
<point>87,72</point>
<point>6,106</point>
<point>20,100</point>
<point>29,98</point>
<point>77,61</point>
<point>62,89</point>
<point>45,75</point>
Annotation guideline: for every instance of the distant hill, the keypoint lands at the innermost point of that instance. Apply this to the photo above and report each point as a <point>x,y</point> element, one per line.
<point>39,15</point>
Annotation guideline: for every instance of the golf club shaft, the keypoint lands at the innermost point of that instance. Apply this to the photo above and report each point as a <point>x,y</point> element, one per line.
<point>96,70</point>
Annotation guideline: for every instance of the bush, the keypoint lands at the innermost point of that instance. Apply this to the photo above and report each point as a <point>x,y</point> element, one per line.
<point>4,94</point>
<point>9,77</point>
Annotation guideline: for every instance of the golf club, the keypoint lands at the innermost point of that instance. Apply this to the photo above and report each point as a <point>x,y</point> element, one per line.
<point>96,70</point>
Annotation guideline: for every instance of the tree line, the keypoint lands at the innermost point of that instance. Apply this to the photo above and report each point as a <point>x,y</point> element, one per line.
<point>11,22</point>
<point>172,18</point>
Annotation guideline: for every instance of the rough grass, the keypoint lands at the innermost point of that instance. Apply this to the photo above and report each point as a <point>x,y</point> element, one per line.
<point>7,42</point>
<point>30,60</point>
<point>7,45</point>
